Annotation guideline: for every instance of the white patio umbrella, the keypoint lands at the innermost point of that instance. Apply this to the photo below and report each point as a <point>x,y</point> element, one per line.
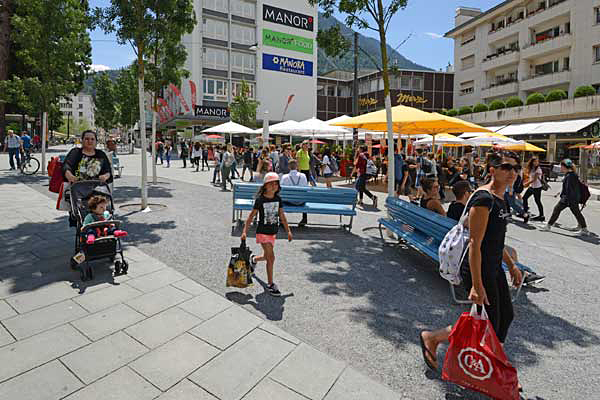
<point>490,139</point>
<point>441,139</point>
<point>229,128</point>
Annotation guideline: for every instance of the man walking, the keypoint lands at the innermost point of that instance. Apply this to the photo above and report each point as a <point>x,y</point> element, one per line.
<point>361,181</point>
<point>13,144</point>
<point>247,163</point>
<point>303,158</point>
<point>295,178</point>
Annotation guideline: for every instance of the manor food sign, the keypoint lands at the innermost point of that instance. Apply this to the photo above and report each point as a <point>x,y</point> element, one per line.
<point>287,41</point>
<point>287,64</point>
<point>288,18</point>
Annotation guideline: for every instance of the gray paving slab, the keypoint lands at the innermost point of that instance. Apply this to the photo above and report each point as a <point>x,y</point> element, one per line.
<point>206,305</point>
<point>123,384</point>
<point>308,371</point>
<point>353,385</point>
<point>269,389</point>
<point>34,322</point>
<point>156,280</point>
<point>158,300</point>
<point>6,311</point>
<point>108,321</point>
<point>41,297</point>
<point>275,330</point>
<point>245,363</point>
<point>5,337</point>
<point>190,286</point>
<point>104,356</point>
<point>162,327</point>
<point>186,390</point>
<point>173,361</point>
<point>26,354</point>
<point>144,267</point>
<point>226,328</point>
<point>105,298</point>
<point>18,260</point>
<point>48,382</point>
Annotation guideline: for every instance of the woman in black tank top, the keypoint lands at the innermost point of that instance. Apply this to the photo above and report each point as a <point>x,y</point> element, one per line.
<point>431,200</point>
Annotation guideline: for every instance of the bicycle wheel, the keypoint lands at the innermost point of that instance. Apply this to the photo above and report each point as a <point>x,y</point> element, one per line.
<point>30,166</point>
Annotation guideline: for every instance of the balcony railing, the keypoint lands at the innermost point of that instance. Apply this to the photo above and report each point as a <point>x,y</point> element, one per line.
<point>538,75</point>
<point>544,8</point>
<point>501,52</point>
<point>522,15</point>
<point>546,39</point>
<point>501,82</point>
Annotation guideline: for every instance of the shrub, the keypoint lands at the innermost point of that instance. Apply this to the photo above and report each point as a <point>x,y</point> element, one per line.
<point>555,95</point>
<point>514,102</point>
<point>535,98</point>
<point>497,105</point>
<point>480,108</point>
<point>443,111</point>
<point>452,113</point>
<point>465,110</point>
<point>583,91</point>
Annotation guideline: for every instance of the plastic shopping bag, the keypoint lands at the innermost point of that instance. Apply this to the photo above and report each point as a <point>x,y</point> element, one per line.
<point>62,204</point>
<point>476,360</point>
<point>239,273</point>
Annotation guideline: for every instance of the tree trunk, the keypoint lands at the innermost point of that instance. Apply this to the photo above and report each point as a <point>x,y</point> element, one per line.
<point>388,100</point>
<point>4,58</point>
<point>153,143</point>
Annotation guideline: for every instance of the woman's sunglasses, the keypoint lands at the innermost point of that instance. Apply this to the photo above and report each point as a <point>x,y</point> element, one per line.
<point>509,167</point>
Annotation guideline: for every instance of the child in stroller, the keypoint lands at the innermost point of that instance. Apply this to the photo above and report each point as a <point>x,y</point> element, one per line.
<point>97,205</point>
<point>97,234</point>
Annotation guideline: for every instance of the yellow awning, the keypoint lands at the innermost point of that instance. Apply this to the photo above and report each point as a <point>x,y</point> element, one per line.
<point>524,147</point>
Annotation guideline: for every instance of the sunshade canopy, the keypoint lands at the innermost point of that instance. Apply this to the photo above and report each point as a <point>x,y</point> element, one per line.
<point>524,147</point>
<point>443,138</point>
<point>315,126</point>
<point>228,127</point>
<point>490,139</point>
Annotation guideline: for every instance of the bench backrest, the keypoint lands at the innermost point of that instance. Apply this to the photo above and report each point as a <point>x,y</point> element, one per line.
<point>426,221</point>
<point>300,194</point>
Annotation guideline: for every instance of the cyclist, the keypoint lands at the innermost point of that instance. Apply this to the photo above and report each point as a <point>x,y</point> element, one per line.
<point>26,144</point>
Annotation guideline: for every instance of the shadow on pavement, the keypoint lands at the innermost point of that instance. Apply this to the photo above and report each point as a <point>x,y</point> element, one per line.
<point>407,295</point>
<point>271,307</point>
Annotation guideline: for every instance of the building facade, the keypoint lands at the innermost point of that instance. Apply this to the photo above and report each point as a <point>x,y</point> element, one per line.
<point>268,44</point>
<point>79,107</point>
<point>428,91</point>
<point>524,46</point>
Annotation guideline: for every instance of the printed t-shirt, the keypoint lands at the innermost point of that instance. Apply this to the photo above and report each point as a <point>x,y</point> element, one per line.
<point>268,214</point>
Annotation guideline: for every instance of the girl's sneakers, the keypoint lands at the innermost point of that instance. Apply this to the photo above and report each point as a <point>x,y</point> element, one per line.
<point>273,290</point>
<point>252,264</point>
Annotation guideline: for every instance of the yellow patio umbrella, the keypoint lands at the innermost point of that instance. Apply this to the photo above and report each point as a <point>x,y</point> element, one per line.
<point>524,147</point>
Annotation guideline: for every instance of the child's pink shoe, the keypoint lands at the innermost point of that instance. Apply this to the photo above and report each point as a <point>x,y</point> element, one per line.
<point>119,233</point>
<point>91,239</point>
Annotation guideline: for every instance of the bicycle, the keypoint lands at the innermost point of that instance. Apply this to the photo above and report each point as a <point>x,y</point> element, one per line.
<point>29,164</point>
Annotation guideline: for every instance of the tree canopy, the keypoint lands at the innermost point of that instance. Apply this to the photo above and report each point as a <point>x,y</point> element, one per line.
<point>243,107</point>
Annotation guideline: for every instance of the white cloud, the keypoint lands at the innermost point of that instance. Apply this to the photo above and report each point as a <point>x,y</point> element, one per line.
<point>99,67</point>
<point>434,35</point>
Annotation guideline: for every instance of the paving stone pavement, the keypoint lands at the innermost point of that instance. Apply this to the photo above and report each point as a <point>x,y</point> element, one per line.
<point>152,334</point>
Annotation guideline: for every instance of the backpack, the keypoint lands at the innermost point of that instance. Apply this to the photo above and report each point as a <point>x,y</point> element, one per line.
<point>453,249</point>
<point>426,165</point>
<point>585,195</point>
<point>371,168</point>
<point>333,165</point>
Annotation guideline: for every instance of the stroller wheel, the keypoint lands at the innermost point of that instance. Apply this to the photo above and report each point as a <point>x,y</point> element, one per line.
<point>125,267</point>
<point>117,268</point>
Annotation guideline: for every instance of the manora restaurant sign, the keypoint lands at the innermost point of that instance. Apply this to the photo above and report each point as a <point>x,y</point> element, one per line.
<point>287,64</point>
<point>287,41</point>
<point>288,18</point>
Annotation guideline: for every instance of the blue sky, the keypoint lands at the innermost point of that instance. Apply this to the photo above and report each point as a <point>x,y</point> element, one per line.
<point>427,20</point>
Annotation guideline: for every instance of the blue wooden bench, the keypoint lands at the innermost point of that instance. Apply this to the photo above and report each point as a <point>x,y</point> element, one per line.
<point>300,199</point>
<point>424,230</point>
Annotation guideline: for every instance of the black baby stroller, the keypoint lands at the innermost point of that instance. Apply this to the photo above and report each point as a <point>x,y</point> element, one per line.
<point>104,246</point>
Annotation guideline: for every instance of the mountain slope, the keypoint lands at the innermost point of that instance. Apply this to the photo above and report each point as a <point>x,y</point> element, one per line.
<point>369,45</point>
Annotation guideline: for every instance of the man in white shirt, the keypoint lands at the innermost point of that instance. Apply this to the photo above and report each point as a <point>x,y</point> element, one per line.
<point>12,143</point>
<point>295,178</point>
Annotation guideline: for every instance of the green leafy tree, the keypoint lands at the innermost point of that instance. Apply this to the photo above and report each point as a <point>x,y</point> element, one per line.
<point>5,50</point>
<point>52,43</point>
<point>535,98</point>
<point>375,16</point>
<point>126,97</point>
<point>144,24</point>
<point>514,102</point>
<point>497,105</point>
<point>583,91</point>
<point>243,107</point>
<point>105,101</point>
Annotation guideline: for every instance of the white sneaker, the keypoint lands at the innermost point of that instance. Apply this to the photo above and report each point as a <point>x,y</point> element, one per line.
<point>545,228</point>
<point>583,232</point>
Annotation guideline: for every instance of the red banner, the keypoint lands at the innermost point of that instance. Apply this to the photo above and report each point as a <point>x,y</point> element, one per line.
<point>193,90</point>
<point>166,106</point>
<point>178,94</point>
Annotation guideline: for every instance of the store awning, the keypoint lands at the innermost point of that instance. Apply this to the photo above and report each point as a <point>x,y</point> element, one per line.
<point>545,128</point>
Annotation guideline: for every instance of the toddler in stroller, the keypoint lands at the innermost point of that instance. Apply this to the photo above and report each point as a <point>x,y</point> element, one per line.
<point>98,234</point>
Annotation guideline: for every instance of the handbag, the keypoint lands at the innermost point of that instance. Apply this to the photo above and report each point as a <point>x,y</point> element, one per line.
<point>57,177</point>
<point>476,360</point>
<point>239,273</point>
<point>62,204</point>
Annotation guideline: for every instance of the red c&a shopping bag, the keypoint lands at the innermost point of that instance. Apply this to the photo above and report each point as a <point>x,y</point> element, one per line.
<point>476,360</point>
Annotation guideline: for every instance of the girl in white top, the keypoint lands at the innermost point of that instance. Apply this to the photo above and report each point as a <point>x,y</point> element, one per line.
<point>326,165</point>
<point>196,155</point>
<point>534,183</point>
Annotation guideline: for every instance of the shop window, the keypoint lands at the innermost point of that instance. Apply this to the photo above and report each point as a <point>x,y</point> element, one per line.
<point>597,15</point>
<point>331,90</point>
<point>597,53</point>
<point>405,82</point>
<point>417,83</point>
<point>214,89</point>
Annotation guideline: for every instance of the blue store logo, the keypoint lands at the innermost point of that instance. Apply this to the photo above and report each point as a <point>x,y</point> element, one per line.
<point>287,64</point>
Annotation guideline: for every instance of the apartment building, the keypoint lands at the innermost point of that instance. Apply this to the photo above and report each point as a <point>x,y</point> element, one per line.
<point>268,44</point>
<point>524,46</point>
<point>425,90</point>
<point>79,107</point>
